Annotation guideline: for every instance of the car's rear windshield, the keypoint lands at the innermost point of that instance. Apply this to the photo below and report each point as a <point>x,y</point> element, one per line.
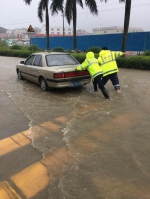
<point>59,60</point>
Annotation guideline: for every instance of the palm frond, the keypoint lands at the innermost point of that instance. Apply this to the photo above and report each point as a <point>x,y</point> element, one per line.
<point>27,1</point>
<point>69,10</point>
<point>80,3</point>
<point>56,5</point>
<point>104,0</point>
<point>92,6</point>
<point>45,3</point>
<point>40,11</point>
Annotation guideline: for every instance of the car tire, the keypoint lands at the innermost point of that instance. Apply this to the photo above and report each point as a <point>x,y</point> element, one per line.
<point>43,84</point>
<point>19,75</point>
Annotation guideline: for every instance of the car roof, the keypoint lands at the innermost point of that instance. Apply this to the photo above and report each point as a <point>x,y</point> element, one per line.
<point>50,53</point>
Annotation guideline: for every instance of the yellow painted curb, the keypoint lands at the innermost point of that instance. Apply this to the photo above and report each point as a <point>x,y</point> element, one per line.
<point>21,139</point>
<point>32,179</point>
<point>7,145</point>
<point>7,192</point>
<point>51,126</point>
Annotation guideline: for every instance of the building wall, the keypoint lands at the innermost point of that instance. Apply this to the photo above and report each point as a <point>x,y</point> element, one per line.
<point>9,31</point>
<point>57,30</point>
<point>114,30</point>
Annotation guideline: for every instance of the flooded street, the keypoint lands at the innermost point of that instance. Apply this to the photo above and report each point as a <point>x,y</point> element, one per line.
<point>93,148</point>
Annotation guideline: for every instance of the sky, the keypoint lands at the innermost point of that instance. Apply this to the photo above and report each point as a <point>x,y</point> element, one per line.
<point>17,14</point>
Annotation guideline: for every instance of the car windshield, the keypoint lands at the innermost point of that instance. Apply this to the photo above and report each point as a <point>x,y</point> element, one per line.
<point>59,60</point>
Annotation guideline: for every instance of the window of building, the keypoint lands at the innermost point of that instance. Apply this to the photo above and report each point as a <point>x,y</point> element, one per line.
<point>104,31</point>
<point>57,28</point>
<point>117,30</point>
<point>52,32</point>
<point>58,33</point>
<point>69,33</point>
<point>69,29</point>
<point>52,29</point>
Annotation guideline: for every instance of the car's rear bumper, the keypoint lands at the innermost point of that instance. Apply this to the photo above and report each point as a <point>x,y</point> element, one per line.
<point>59,83</point>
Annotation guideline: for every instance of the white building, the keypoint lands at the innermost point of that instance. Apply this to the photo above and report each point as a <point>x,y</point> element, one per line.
<point>82,32</point>
<point>57,30</point>
<point>19,31</point>
<point>9,31</point>
<point>114,30</point>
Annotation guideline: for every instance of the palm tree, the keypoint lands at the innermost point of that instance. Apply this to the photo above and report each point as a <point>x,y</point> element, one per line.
<point>71,11</point>
<point>126,21</point>
<point>43,6</point>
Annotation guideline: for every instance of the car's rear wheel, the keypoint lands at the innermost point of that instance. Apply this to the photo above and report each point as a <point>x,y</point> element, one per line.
<point>19,75</point>
<point>43,84</point>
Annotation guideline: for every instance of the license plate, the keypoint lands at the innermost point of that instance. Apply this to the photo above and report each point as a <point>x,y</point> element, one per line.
<point>74,84</point>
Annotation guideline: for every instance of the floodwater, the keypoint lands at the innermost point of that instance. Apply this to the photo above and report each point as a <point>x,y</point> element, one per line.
<point>100,148</point>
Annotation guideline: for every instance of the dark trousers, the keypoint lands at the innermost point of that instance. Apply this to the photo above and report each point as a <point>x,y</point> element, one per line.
<point>113,78</point>
<point>98,80</point>
<point>95,86</point>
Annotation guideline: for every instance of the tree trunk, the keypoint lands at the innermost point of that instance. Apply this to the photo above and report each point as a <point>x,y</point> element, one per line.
<point>126,23</point>
<point>74,24</point>
<point>47,28</point>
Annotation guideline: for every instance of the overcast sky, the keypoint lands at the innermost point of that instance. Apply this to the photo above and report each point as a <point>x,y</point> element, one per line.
<point>16,14</point>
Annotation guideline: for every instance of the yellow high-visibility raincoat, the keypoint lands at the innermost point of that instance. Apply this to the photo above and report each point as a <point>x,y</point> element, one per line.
<point>92,65</point>
<point>107,60</point>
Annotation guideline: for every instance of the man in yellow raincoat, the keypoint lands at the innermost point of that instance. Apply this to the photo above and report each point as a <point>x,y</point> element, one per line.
<point>107,60</point>
<point>96,72</point>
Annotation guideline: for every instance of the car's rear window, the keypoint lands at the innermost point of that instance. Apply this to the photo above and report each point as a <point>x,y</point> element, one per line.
<point>59,60</point>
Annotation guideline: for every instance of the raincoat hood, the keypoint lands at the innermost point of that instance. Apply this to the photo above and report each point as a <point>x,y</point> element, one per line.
<point>90,55</point>
<point>104,52</point>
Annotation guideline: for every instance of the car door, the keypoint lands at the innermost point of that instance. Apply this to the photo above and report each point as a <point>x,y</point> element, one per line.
<point>27,64</point>
<point>36,68</point>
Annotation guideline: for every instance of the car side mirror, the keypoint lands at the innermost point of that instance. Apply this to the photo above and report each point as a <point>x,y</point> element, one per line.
<point>22,62</point>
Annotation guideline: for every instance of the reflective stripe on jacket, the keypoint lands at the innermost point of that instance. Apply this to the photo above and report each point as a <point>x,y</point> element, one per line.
<point>92,66</point>
<point>107,60</point>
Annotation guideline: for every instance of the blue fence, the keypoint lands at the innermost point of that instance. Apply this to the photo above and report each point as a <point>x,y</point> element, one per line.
<point>135,42</point>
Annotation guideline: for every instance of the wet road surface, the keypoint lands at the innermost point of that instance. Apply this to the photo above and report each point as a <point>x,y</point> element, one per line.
<point>92,147</point>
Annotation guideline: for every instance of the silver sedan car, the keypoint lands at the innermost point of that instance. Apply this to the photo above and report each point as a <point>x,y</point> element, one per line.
<point>52,70</point>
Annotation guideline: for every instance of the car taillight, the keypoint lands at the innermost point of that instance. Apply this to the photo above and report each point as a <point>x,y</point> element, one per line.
<point>76,73</point>
<point>58,75</point>
<point>84,72</point>
<point>71,74</point>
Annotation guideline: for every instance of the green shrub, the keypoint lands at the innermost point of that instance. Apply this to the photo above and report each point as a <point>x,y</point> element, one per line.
<point>58,49</point>
<point>79,56</point>
<point>68,51</point>
<point>24,47</point>
<point>136,62</point>
<point>14,53</point>
<point>3,44</point>
<point>133,62</point>
<point>146,53</point>
<point>15,47</point>
<point>94,49</point>
<point>34,48</point>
